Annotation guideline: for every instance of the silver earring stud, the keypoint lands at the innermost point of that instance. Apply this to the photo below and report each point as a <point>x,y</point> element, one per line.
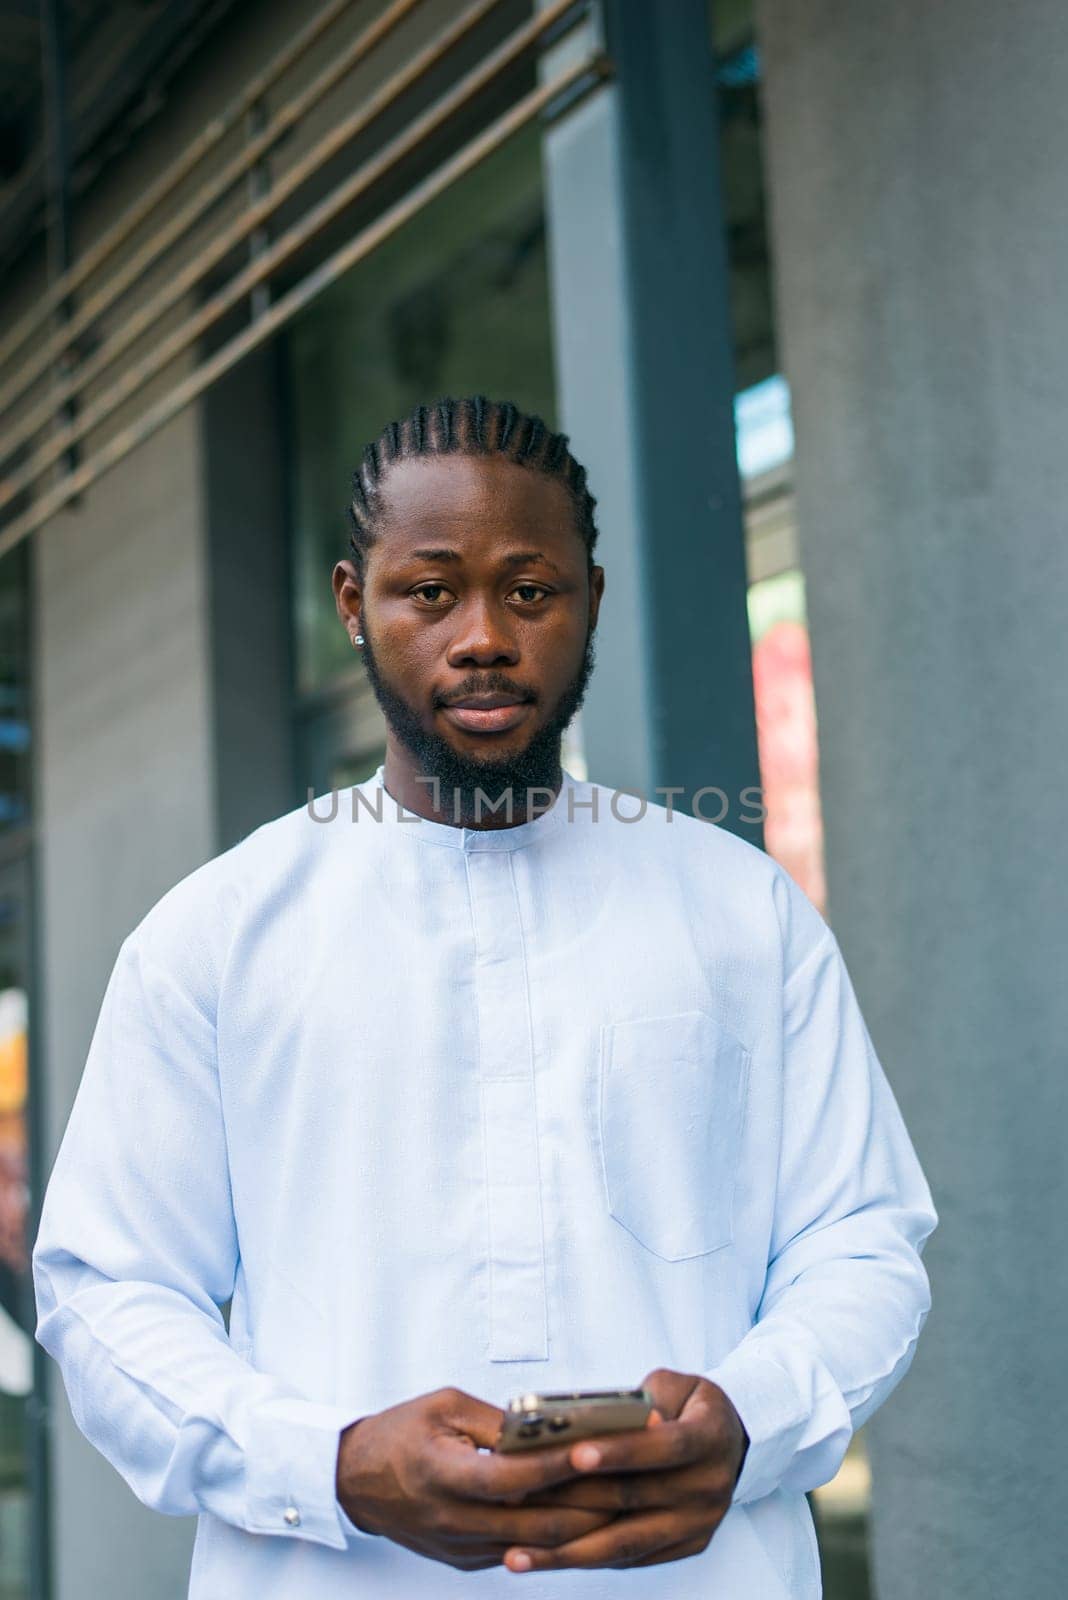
<point>358,639</point>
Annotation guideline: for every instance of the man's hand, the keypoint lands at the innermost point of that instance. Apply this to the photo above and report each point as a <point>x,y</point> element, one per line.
<point>415,1474</point>
<point>670,1486</point>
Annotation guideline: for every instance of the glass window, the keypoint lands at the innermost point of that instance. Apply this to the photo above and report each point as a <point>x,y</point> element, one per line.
<point>744,198</point>
<point>19,1434</point>
<point>455,303</point>
<point>16,1346</point>
<point>786,729</point>
<point>14,691</point>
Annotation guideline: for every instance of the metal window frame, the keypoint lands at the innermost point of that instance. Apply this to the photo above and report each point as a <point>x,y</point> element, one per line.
<point>546,101</point>
<point>170,179</point>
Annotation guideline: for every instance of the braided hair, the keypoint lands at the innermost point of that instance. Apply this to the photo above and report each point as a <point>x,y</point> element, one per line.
<point>474,426</point>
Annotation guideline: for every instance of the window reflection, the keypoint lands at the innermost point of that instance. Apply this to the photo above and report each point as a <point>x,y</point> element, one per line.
<point>788,749</point>
<point>18,1441</point>
<point>786,729</point>
<point>456,302</point>
<point>14,692</point>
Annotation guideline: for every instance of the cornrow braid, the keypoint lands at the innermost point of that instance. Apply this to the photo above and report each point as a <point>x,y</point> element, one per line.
<point>473,426</point>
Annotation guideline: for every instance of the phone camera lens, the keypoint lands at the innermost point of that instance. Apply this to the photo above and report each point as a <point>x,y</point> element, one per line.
<point>531,1428</point>
<point>558,1424</point>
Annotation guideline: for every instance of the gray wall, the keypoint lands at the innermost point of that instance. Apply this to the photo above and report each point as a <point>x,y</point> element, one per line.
<point>921,234</point>
<point>125,808</point>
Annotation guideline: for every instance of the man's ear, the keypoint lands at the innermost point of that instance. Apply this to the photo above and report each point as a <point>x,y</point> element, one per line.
<point>348,595</point>
<point>596,593</point>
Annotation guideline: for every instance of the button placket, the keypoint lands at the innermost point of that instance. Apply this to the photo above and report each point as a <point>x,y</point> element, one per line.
<point>518,1318</point>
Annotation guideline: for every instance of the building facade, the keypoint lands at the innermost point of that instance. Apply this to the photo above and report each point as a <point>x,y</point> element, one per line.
<point>236,242</point>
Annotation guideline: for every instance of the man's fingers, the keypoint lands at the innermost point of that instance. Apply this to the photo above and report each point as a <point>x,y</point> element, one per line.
<point>675,1552</point>
<point>467,1414</point>
<point>670,1390</point>
<point>632,1491</point>
<point>472,1474</point>
<point>522,1525</point>
<point>620,1544</point>
<point>671,1444</point>
<point>590,1492</point>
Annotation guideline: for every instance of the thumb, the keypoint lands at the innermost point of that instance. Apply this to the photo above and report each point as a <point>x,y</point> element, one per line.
<point>477,1419</point>
<point>670,1390</point>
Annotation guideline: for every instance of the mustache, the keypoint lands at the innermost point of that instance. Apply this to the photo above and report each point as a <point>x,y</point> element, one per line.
<point>494,684</point>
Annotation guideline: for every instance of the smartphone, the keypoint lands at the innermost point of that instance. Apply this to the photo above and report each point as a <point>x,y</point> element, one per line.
<point>534,1420</point>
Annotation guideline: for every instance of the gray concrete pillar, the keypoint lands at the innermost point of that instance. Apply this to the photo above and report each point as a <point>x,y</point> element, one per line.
<point>920,228</point>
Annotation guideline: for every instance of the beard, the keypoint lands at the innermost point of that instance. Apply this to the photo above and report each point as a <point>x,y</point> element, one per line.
<point>460,774</point>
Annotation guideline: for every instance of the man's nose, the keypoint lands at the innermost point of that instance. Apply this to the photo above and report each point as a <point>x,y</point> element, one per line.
<point>484,636</point>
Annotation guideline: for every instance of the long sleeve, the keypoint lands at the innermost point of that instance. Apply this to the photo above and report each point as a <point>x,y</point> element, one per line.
<point>846,1293</point>
<point>136,1251</point>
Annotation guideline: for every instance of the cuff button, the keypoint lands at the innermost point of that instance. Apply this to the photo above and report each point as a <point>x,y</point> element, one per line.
<point>291,1516</point>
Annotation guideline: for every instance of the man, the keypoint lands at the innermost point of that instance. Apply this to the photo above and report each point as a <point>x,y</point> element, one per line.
<point>462,1086</point>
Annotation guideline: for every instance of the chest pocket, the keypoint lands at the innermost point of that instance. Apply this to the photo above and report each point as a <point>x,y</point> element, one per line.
<point>671,1104</point>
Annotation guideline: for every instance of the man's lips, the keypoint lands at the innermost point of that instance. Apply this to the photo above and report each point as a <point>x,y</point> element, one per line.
<point>486,713</point>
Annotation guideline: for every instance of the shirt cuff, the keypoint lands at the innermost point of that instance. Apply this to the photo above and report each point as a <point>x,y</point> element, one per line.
<point>291,1472</point>
<point>773,1415</point>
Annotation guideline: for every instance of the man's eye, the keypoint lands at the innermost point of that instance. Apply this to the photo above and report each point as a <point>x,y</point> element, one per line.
<point>438,588</point>
<point>533,591</point>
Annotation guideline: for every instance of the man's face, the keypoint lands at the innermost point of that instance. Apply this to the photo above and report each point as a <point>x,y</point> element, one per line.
<point>477,588</point>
